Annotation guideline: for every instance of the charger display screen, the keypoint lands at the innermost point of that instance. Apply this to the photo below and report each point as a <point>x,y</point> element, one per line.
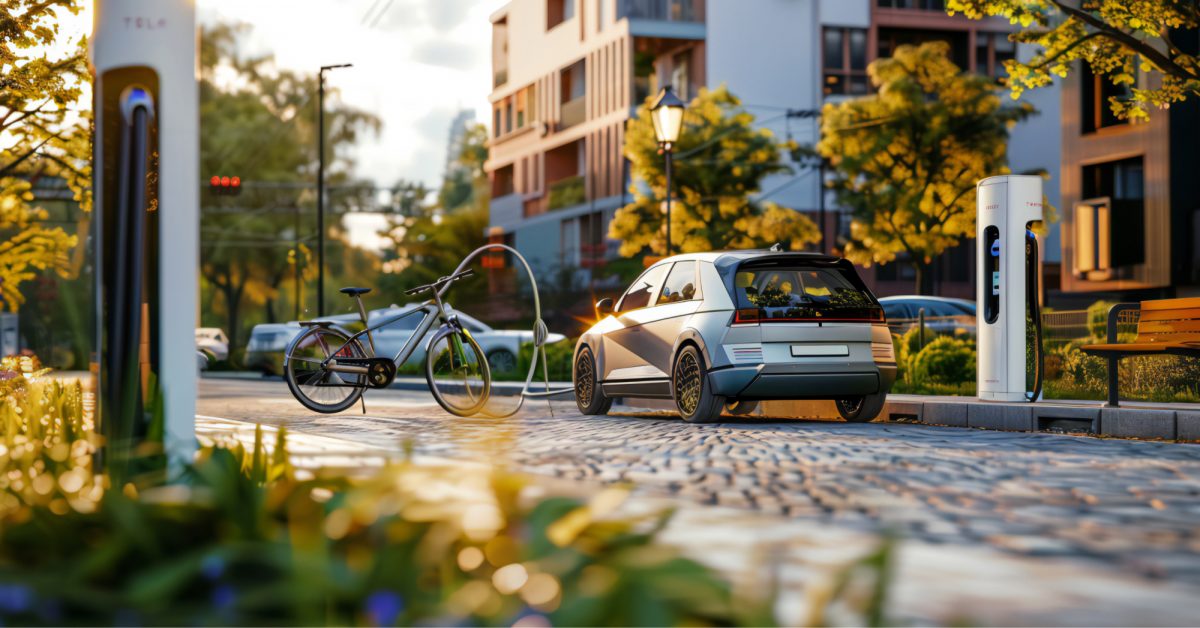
<point>991,262</point>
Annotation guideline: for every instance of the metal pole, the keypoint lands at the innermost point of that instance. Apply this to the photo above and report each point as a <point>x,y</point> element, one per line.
<point>296,263</point>
<point>821,200</point>
<point>667,148</point>
<point>320,193</point>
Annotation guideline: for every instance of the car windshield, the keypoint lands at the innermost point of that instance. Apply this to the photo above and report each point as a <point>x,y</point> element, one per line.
<point>788,290</point>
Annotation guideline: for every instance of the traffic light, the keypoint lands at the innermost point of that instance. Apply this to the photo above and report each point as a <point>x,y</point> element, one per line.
<point>225,186</point>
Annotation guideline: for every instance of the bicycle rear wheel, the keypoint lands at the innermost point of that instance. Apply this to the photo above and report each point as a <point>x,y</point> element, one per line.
<point>458,373</point>
<point>314,386</point>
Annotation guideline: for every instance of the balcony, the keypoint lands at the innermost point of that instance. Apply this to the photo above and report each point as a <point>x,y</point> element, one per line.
<point>505,211</point>
<point>573,112</point>
<point>566,192</point>
<point>660,10</point>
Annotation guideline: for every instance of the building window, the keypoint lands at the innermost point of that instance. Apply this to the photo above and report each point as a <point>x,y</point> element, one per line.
<point>923,5</point>
<point>497,130</point>
<point>844,53</point>
<point>508,115</point>
<point>1110,227</point>
<point>892,38</point>
<point>500,53</point>
<point>1095,94</point>
<point>991,51</point>
<point>559,11</point>
<point>681,67</point>
<point>503,182</point>
<point>573,86</point>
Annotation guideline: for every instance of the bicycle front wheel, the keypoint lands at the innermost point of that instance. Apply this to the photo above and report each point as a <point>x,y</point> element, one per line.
<point>313,385</point>
<point>457,372</point>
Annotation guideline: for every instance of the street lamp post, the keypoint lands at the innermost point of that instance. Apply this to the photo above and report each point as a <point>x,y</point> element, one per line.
<point>667,114</point>
<point>321,184</point>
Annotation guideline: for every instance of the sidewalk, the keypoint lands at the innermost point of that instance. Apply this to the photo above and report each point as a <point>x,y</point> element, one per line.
<point>932,584</point>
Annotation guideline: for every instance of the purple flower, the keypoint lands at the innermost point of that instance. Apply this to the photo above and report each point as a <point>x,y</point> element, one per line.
<point>15,598</point>
<point>223,597</point>
<point>383,607</point>
<point>212,567</point>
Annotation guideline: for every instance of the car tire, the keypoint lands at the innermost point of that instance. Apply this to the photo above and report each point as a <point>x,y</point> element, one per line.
<point>502,361</point>
<point>586,380</point>
<point>740,407</point>
<point>861,409</point>
<point>690,389</point>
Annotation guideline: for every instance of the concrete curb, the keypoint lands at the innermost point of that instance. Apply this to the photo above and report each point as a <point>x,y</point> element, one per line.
<point>1143,421</point>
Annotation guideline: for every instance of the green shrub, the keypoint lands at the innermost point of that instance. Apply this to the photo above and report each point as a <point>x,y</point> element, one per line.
<point>946,360</point>
<point>1097,315</point>
<point>559,361</point>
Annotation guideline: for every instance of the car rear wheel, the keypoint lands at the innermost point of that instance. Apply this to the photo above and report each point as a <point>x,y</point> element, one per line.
<point>689,387</point>
<point>588,394</point>
<point>502,361</point>
<point>861,409</point>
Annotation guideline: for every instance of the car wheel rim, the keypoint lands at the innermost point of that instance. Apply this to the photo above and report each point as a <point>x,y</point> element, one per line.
<point>584,380</point>
<point>687,383</point>
<point>851,405</point>
<point>502,362</point>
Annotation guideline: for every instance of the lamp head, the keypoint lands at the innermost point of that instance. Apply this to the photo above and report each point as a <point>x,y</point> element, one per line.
<point>667,114</point>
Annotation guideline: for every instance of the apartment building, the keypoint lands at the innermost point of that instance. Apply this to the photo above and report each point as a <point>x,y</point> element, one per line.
<point>567,74</point>
<point>1130,193</point>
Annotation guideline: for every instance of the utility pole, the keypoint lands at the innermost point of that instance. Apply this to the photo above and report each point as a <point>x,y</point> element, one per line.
<point>321,184</point>
<point>815,114</point>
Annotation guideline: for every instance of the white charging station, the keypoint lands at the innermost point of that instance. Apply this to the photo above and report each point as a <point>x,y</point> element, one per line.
<point>145,243</point>
<point>1009,273</point>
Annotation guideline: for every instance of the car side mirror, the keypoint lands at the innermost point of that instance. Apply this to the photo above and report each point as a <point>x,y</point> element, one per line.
<point>604,307</point>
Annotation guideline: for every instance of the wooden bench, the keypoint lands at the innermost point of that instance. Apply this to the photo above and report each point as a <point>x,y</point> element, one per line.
<point>1165,327</point>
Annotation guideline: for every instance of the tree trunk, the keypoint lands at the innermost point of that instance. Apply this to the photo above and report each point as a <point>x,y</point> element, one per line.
<point>924,278</point>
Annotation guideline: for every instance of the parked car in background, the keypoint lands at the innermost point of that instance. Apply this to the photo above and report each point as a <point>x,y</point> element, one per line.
<point>501,346</point>
<point>212,342</point>
<point>265,349</point>
<point>201,361</point>
<point>953,317</point>
<point>722,331</point>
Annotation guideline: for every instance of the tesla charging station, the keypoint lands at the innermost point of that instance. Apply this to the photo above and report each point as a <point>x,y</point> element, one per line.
<point>145,243</point>
<point>1007,287</point>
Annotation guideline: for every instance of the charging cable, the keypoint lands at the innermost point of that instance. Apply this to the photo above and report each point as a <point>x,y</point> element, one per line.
<point>540,333</point>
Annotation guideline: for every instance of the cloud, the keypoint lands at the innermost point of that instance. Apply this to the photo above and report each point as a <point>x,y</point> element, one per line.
<point>447,54</point>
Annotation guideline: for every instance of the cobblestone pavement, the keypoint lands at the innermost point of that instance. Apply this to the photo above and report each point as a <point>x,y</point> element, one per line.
<point>1132,506</point>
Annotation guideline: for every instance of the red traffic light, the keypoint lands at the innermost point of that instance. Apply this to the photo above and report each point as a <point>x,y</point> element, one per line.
<point>225,185</point>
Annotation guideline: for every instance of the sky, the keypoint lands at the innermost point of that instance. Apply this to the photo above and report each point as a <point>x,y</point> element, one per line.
<point>416,64</point>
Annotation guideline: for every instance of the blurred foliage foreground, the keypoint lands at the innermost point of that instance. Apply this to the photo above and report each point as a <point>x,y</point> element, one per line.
<point>245,541</point>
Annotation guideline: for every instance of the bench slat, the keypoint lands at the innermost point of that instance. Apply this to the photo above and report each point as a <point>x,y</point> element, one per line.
<point>1169,327</point>
<point>1170,315</point>
<point>1189,303</point>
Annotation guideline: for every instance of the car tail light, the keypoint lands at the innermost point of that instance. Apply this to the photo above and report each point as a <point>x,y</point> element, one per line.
<point>747,316</point>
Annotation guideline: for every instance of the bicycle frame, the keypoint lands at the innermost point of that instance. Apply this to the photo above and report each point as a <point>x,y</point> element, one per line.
<point>434,310</point>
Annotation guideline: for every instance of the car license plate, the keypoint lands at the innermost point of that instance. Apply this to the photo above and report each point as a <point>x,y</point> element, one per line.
<point>819,351</point>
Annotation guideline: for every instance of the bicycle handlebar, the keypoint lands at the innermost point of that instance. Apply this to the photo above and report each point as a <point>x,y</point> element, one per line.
<point>440,282</point>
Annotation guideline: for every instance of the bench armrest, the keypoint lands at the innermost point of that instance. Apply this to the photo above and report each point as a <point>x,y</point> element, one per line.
<point>1114,313</point>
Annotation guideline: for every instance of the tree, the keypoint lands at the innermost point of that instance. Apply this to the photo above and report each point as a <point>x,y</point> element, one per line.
<point>906,159</point>
<point>720,162</point>
<point>259,123</point>
<point>1117,38</point>
<point>43,137</point>
<point>430,240</point>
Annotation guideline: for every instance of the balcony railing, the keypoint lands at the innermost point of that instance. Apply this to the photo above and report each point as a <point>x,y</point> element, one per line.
<point>664,10</point>
<point>573,112</point>
<point>566,192</point>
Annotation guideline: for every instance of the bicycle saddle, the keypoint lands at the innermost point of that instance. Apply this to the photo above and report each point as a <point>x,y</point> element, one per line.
<point>354,291</point>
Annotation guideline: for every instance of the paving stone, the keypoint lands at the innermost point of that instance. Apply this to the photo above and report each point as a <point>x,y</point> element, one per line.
<point>1137,423</point>
<point>940,413</point>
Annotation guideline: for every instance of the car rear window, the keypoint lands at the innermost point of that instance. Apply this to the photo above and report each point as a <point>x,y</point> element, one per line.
<point>792,291</point>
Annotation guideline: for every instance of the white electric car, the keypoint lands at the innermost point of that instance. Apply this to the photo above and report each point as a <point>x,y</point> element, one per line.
<point>722,331</point>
